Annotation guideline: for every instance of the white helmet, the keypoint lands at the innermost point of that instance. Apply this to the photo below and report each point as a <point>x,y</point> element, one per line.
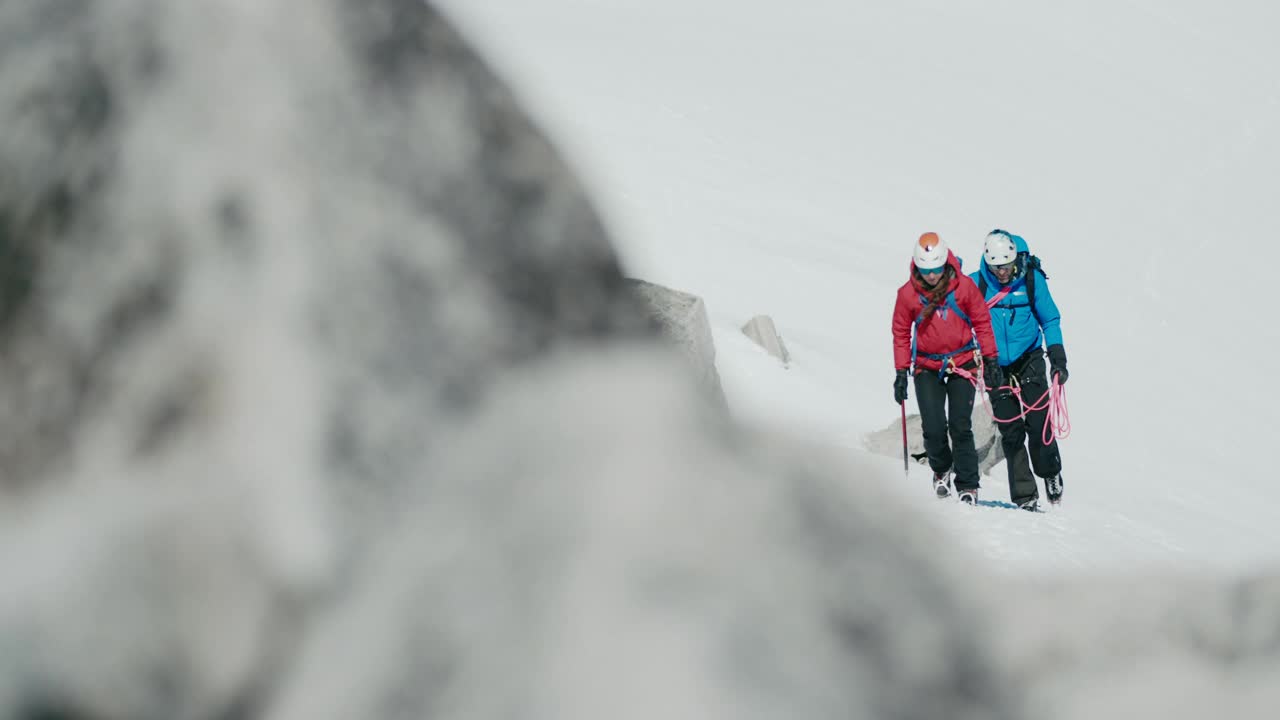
<point>931,252</point>
<point>999,249</point>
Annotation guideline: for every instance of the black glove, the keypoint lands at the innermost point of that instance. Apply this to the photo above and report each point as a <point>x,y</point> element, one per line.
<point>1058,363</point>
<point>992,375</point>
<point>900,387</point>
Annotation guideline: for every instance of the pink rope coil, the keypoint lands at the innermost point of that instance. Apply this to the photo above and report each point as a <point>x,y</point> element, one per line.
<point>1054,401</point>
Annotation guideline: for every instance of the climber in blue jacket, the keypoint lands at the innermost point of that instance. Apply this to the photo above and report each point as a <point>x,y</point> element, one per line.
<point>1027,325</point>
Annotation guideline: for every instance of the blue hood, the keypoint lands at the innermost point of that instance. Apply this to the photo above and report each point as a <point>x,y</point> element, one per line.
<point>1017,325</point>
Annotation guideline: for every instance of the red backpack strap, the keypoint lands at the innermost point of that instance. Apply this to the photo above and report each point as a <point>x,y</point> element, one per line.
<point>999,296</point>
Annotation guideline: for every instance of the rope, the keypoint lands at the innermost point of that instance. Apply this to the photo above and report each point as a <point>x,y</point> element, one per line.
<point>1053,401</point>
<point>1059,419</point>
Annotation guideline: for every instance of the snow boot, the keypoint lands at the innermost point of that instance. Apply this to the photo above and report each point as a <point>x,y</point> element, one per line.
<point>942,484</point>
<point>969,497</point>
<point>1053,488</point>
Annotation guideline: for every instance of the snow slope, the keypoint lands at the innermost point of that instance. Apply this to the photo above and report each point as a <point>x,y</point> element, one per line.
<point>782,159</point>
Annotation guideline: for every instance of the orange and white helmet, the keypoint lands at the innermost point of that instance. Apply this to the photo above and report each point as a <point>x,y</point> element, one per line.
<point>931,252</point>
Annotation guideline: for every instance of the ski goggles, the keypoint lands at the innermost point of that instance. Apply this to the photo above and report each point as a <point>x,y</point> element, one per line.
<point>1007,267</point>
<point>935,271</point>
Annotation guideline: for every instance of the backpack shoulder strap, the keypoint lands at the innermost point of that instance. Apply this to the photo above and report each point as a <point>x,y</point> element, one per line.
<point>1033,266</point>
<point>949,302</point>
<point>955,307</point>
<point>1031,294</point>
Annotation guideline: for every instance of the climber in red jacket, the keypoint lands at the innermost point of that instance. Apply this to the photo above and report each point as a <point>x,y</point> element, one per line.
<point>940,323</point>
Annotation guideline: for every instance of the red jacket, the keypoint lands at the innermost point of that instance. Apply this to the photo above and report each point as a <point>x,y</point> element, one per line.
<point>944,331</point>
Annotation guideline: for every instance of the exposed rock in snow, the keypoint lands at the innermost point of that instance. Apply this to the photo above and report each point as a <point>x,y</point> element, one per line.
<point>682,318</point>
<point>764,333</point>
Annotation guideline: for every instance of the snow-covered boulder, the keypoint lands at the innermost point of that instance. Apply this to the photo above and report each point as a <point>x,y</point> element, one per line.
<point>681,317</point>
<point>986,437</point>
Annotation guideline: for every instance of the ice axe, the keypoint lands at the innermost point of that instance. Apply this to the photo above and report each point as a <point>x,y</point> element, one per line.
<point>905,471</point>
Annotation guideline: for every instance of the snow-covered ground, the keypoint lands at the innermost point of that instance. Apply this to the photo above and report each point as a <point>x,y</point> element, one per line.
<point>782,159</point>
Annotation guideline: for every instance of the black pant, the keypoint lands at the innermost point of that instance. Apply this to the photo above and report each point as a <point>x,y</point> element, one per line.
<point>1017,436</point>
<point>938,397</point>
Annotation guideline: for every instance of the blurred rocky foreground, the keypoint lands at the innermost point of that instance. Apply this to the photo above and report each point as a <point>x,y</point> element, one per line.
<point>325,398</point>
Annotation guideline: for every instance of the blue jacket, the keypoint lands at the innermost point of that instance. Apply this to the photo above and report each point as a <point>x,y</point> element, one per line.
<point>1017,328</point>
